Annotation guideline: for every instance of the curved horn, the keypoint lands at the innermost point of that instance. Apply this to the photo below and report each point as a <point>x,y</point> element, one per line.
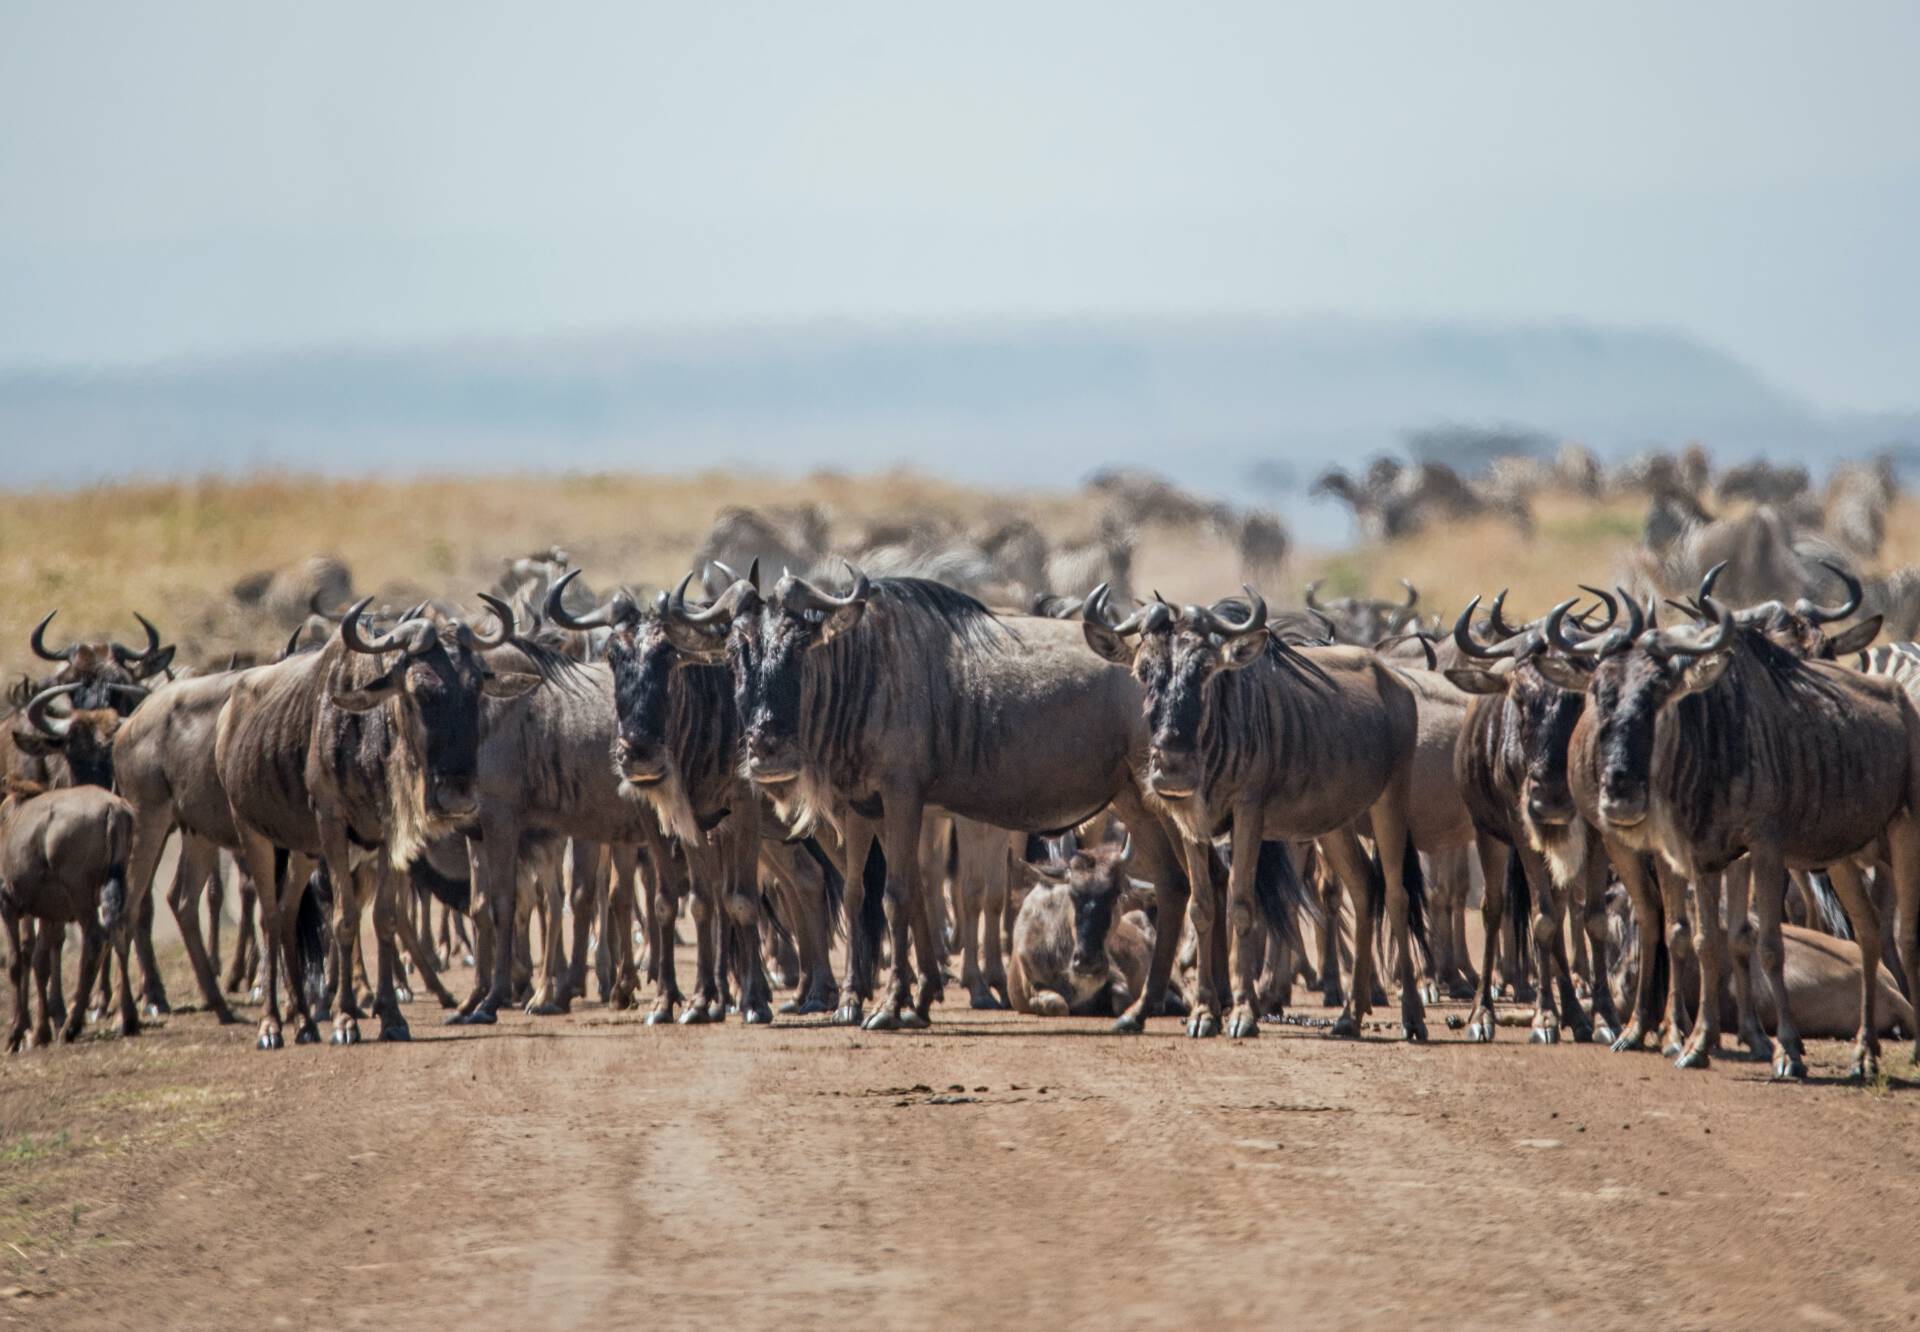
<point>710,619</point>
<point>1095,609</point>
<point>1463,636</point>
<point>1607,600</point>
<point>1313,587</point>
<point>1822,614</point>
<point>1126,848</point>
<point>1497,620</point>
<point>1413,594</point>
<point>56,727</point>
<point>1204,619</point>
<point>619,608</point>
<point>127,656</point>
<point>39,641</point>
<point>504,614</point>
<point>1636,618</point>
<point>1707,581</point>
<point>137,693</point>
<point>387,642</point>
<point>293,641</point>
<point>1664,645</point>
<point>809,597</point>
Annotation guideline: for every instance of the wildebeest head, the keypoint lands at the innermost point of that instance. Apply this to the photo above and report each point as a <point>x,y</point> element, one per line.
<point>1176,659</point>
<point>1538,724</point>
<point>96,668</point>
<point>770,667</point>
<point>1367,620</point>
<point>1101,892</point>
<point>1802,628</point>
<point>1630,676</point>
<point>436,683</point>
<point>83,737</point>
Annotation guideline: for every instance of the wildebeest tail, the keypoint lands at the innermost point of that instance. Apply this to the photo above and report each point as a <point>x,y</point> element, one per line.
<point>864,947</point>
<point>113,897</point>
<point>1280,895</point>
<point>1519,893</point>
<point>1827,903</point>
<point>1414,878</point>
<point>456,893</point>
<point>310,935</point>
<point>836,890</point>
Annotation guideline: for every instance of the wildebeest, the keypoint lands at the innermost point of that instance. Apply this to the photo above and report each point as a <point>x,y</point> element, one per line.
<point>1701,745</point>
<point>367,745</point>
<point>63,860</point>
<point>1364,621</point>
<point>1082,943</point>
<point>868,707</point>
<point>1262,739</point>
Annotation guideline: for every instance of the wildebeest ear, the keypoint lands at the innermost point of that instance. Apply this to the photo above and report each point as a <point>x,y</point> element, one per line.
<point>1245,649</point>
<point>1701,672</point>
<point>371,695</point>
<point>37,743</point>
<point>1562,672</point>
<point>839,622</point>
<point>509,684</point>
<point>1856,638</point>
<point>1475,680</point>
<point>1116,648</point>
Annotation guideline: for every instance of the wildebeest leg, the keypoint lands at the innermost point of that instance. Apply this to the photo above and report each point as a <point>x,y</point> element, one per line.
<point>56,997</point>
<point>1395,843</point>
<point>93,952</point>
<point>417,945</point>
<point>1204,909</point>
<point>494,873</point>
<point>121,941</point>
<point>1550,944</point>
<point>1738,881</point>
<point>900,837</point>
<point>739,863</point>
<point>1631,870</point>
<point>1246,936</point>
<point>17,966</point>
<point>1155,859</point>
<point>1854,896</point>
<point>1679,935</point>
<point>245,943</point>
<point>47,980</point>
<point>1769,899</point>
<point>548,999</point>
<point>623,899</point>
<point>1592,886</point>
<point>1331,889</point>
<point>587,889</point>
<point>1492,853</point>
<point>389,918</point>
<point>1903,839</point>
<point>862,947</point>
<point>1343,855</point>
<point>199,862</point>
<point>707,923</point>
<point>969,905</point>
<point>153,989</point>
<point>997,890</point>
<point>351,888</point>
<point>1709,945</point>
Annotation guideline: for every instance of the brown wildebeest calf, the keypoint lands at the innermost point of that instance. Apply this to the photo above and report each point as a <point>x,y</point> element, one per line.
<point>63,860</point>
<point>1082,943</point>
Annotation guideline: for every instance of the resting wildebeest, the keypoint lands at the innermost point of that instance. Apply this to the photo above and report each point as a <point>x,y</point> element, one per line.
<point>1261,739</point>
<point>365,745</point>
<point>1701,745</point>
<point>63,860</point>
<point>1081,941</point>
<point>870,707</point>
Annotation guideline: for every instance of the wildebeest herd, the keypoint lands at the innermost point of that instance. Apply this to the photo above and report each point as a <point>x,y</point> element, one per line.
<point>1133,810</point>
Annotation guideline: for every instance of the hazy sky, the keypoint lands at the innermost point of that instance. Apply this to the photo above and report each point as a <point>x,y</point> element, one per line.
<point>184,178</point>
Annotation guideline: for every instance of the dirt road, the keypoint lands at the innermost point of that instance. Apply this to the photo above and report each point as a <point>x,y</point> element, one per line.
<point>560,1172</point>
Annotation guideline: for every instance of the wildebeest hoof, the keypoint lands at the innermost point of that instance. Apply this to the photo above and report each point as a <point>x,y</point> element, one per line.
<point>270,1039</point>
<point>1242,1027</point>
<point>1789,1067</point>
<point>848,1014</point>
<point>1462,990</point>
<point>395,1031</point>
<point>1544,1036</point>
<point>883,1019</point>
<point>1694,1056</point>
<point>1480,1029</point>
<point>1672,1049</point>
<point>1430,992</point>
<point>1128,1024</point>
<point>153,1010</point>
<point>659,1017</point>
<point>1415,1031</point>
<point>346,1032</point>
<point>481,1017</point>
<point>1603,1034</point>
<point>1333,997</point>
<point>984,1000</point>
<point>912,1019</point>
<point>96,1015</point>
<point>402,994</point>
<point>757,1015</point>
<point>548,1009</point>
<point>1346,1027</point>
<point>694,1015</point>
<point>466,959</point>
<point>253,995</point>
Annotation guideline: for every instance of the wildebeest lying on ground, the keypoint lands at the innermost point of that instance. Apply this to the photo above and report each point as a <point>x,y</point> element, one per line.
<point>1082,942</point>
<point>63,860</point>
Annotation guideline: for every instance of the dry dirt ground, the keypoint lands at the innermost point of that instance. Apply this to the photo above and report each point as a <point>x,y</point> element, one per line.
<point>589,1169</point>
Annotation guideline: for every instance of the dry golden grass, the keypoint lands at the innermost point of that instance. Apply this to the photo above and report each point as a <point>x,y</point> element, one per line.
<point>175,550</point>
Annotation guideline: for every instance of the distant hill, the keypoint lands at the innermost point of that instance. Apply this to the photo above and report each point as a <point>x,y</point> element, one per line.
<point>1036,403</point>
